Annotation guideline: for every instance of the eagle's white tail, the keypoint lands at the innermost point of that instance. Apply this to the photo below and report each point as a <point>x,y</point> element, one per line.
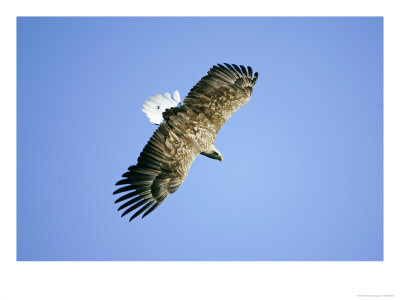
<point>156,105</point>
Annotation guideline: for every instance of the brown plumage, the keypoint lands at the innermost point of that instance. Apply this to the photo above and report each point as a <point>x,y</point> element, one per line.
<point>188,130</point>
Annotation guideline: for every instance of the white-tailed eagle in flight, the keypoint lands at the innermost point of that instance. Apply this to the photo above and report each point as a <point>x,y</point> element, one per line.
<point>184,132</point>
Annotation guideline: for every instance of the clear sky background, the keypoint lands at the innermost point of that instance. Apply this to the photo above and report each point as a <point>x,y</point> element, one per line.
<point>302,176</point>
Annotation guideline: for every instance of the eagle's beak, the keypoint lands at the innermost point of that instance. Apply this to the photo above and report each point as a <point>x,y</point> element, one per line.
<point>221,159</point>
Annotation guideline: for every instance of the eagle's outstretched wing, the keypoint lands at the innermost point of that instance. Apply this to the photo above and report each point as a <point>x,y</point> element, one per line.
<point>221,92</point>
<point>162,166</point>
<point>165,160</point>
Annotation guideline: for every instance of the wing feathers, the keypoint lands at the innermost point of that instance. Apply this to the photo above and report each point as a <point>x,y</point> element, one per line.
<point>133,207</point>
<point>148,181</point>
<point>250,70</point>
<point>123,189</point>
<point>151,209</point>
<point>126,196</point>
<point>237,68</point>
<point>140,211</point>
<point>228,73</point>
<point>221,92</point>
<point>122,181</point>
<point>244,71</point>
<point>130,202</point>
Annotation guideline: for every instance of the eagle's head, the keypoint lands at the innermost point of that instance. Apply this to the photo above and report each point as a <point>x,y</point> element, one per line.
<point>213,153</point>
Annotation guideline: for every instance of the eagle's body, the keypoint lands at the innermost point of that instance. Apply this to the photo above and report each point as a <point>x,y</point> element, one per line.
<point>187,131</point>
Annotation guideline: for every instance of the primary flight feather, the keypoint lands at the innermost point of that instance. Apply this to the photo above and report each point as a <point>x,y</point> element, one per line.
<point>184,132</point>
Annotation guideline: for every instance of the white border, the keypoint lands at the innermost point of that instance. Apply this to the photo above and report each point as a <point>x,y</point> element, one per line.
<point>197,280</point>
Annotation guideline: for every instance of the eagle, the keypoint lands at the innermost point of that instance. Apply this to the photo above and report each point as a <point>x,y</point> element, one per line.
<point>185,130</point>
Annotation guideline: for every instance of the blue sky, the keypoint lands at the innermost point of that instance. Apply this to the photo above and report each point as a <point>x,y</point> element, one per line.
<point>302,176</point>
